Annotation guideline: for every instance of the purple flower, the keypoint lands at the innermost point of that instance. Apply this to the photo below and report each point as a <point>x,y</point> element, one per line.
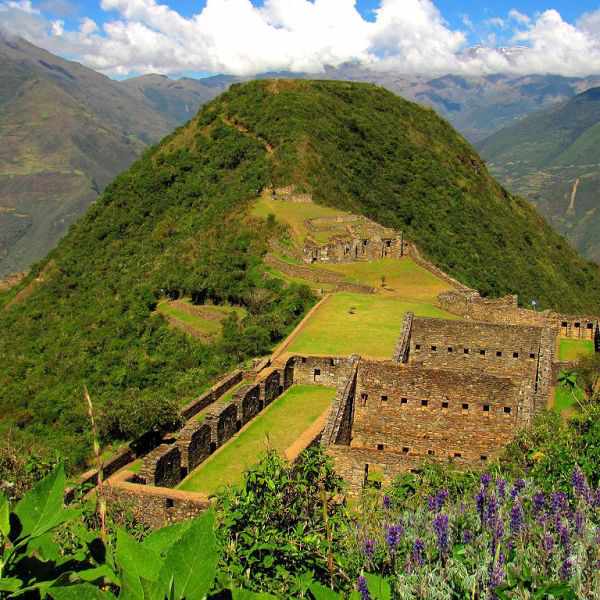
<point>496,572</point>
<point>393,535</point>
<point>369,548</point>
<point>436,503</point>
<point>501,488</point>
<point>517,489</point>
<point>431,504</point>
<point>492,510</point>
<point>539,503</point>
<point>418,552</point>
<point>480,502</point>
<point>387,502</point>
<point>548,543</point>
<point>564,537</point>
<point>598,535</point>
<point>559,502</point>
<point>516,518</point>
<point>363,588</point>
<point>486,479</point>
<point>596,499</point>
<point>440,526</point>
<point>467,536</point>
<point>579,522</point>
<point>579,482</point>
<point>566,570</point>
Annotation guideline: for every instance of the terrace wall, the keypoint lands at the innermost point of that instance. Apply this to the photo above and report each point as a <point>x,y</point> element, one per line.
<point>271,386</point>
<point>194,443</point>
<point>248,402</point>
<point>331,371</point>
<point>162,467</point>
<point>211,395</point>
<point>223,421</point>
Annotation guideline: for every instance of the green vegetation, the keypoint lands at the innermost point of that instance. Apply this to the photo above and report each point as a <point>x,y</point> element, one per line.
<point>565,399</point>
<point>403,278</point>
<point>365,324</point>
<point>277,428</point>
<point>178,224</point>
<point>569,349</point>
<point>552,157</point>
<point>201,321</point>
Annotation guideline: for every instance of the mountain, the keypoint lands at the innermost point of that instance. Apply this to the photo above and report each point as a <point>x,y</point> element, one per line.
<point>553,158</point>
<point>66,132</point>
<point>179,222</point>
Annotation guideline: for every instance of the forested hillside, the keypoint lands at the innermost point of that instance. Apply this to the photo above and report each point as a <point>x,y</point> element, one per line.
<point>553,158</point>
<point>178,223</point>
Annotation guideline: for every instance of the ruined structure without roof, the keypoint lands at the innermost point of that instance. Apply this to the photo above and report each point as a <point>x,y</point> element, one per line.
<point>349,239</point>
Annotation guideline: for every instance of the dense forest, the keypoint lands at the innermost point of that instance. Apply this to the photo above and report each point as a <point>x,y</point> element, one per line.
<point>177,223</point>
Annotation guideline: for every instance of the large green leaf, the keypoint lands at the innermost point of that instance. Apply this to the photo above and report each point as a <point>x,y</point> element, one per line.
<point>4,518</point>
<point>320,592</point>
<point>192,562</point>
<point>139,568</point>
<point>378,587</point>
<point>161,540</point>
<point>83,591</point>
<point>10,584</point>
<point>41,509</point>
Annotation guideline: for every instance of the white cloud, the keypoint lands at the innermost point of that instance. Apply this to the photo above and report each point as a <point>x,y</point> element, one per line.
<point>234,36</point>
<point>519,17</point>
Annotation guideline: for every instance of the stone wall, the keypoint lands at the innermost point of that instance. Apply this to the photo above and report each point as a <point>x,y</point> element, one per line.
<point>248,402</point>
<point>154,506</point>
<point>162,467</point>
<point>271,386</point>
<point>194,443</point>
<point>402,349</point>
<point>223,420</point>
<point>466,345</point>
<point>211,395</point>
<point>424,412</point>
<point>324,370</point>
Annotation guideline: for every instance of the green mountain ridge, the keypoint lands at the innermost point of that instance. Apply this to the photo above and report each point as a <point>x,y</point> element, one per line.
<point>553,158</point>
<point>178,223</point>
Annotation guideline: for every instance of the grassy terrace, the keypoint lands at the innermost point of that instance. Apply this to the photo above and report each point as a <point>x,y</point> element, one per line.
<point>364,324</point>
<point>573,349</point>
<point>200,321</point>
<point>278,427</point>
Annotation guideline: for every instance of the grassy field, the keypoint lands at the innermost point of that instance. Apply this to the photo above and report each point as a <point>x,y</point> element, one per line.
<point>573,349</point>
<point>202,321</point>
<point>294,214</point>
<point>278,427</point>
<point>365,324</point>
<point>403,278</point>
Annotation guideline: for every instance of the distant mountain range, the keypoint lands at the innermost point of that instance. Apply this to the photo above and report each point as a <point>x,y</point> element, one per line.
<point>66,131</point>
<point>552,157</point>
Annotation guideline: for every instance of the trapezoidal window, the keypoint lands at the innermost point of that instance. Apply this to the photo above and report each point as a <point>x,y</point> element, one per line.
<point>434,348</point>
<point>445,405</point>
<point>507,410</point>
<point>499,353</point>
<point>317,374</point>
<point>417,346</point>
<point>457,455</point>
<point>169,503</point>
<point>466,350</point>
<point>384,398</point>
<point>531,355</point>
<point>483,458</point>
<point>379,446</point>
<point>564,324</point>
<point>450,350</point>
<point>578,325</point>
<point>482,352</point>
<point>403,400</point>
<point>405,450</point>
<point>486,408</point>
<point>465,406</point>
<point>515,355</point>
<point>424,402</point>
<point>590,326</point>
<point>431,452</point>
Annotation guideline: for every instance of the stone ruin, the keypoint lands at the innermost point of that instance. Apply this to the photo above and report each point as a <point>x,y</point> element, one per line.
<point>351,239</point>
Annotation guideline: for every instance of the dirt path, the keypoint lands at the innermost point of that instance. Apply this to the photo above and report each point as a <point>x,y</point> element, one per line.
<point>243,129</point>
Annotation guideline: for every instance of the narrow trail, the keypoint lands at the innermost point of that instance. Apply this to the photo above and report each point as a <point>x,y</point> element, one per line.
<point>243,129</point>
<point>571,209</point>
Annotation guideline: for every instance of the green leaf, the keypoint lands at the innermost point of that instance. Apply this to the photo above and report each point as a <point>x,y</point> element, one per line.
<point>247,595</point>
<point>83,591</point>
<point>138,566</point>
<point>378,587</point>
<point>320,592</point>
<point>4,518</point>
<point>192,562</point>
<point>103,572</point>
<point>161,540</point>
<point>10,584</point>
<point>41,509</point>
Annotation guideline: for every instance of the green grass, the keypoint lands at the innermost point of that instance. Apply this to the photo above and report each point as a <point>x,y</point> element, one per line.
<point>204,320</point>
<point>573,349</point>
<point>564,400</point>
<point>372,330</point>
<point>278,427</point>
<point>403,278</point>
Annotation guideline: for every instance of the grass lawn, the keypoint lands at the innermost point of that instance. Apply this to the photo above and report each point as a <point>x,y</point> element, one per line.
<point>371,331</point>
<point>572,349</point>
<point>204,321</point>
<point>295,214</point>
<point>403,278</point>
<point>278,427</point>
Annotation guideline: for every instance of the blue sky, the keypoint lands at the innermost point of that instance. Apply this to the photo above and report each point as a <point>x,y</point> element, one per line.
<point>128,37</point>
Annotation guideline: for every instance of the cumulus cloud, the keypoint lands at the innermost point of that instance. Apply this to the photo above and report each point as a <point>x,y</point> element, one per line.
<point>239,37</point>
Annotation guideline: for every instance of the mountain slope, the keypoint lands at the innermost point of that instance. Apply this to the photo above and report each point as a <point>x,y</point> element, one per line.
<point>553,157</point>
<point>178,223</point>
<point>66,132</point>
